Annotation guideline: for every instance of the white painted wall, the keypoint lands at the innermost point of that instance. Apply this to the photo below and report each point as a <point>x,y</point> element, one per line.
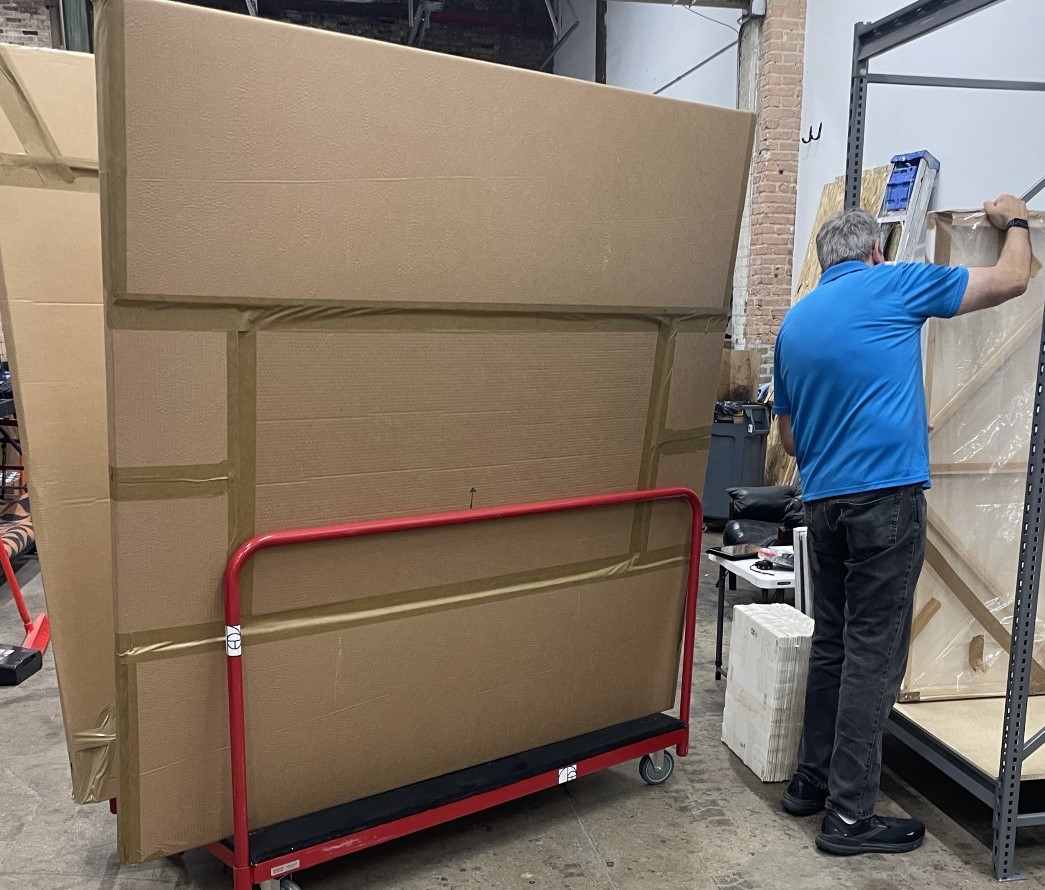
<point>987,141</point>
<point>650,44</point>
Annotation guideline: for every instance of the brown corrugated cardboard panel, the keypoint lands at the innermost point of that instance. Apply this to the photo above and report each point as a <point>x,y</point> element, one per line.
<point>348,280</point>
<point>50,249</point>
<point>980,378</point>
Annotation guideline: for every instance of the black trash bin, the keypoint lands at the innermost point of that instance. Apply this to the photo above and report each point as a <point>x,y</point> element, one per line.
<point>737,456</point>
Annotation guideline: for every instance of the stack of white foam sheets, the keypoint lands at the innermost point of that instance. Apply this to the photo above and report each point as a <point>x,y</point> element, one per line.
<point>766,684</point>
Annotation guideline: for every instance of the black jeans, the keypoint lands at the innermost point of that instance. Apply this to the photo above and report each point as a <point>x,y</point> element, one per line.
<point>866,553</point>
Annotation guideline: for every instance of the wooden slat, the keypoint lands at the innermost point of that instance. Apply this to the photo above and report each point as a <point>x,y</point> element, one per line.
<point>924,616</point>
<point>979,469</point>
<point>954,582</point>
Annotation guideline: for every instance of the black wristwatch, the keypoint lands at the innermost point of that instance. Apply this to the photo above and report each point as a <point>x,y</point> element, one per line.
<point>1017,223</point>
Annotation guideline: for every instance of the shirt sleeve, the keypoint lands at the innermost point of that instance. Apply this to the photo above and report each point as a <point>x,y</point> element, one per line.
<point>781,400</point>
<point>930,291</point>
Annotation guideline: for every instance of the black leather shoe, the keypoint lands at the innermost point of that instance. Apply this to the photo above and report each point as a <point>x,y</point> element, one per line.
<point>803,798</point>
<point>875,834</point>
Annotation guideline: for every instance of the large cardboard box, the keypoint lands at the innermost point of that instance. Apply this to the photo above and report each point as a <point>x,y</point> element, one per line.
<point>50,250</point>
<point>981,371</point>
<point>346,280</point>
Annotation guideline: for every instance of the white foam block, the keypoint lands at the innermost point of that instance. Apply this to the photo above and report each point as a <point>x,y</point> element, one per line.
<point>765,687</point>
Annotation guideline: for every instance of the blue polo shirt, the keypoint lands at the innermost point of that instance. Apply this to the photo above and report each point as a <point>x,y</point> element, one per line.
<point>848,369</point>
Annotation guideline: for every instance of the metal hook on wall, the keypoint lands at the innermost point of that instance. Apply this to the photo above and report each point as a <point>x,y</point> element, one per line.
<point>812,138</point>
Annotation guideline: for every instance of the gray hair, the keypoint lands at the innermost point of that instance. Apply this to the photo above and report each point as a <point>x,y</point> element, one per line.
<point>848,235</point>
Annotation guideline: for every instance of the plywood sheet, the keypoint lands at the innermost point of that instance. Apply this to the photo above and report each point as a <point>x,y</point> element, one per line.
<point>972,728</point>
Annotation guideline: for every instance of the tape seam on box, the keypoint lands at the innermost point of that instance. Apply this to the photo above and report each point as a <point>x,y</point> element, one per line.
<point>145,646</point>
<point>26,121</point>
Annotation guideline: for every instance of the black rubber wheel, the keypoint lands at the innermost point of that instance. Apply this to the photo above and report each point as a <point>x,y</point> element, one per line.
<point>653,776</point>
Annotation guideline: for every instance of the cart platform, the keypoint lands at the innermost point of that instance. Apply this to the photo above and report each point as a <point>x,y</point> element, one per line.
<point>338,822</point>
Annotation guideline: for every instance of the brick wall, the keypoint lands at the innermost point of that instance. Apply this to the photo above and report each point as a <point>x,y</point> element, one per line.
<point>774,176</point>
<point>25,22</point>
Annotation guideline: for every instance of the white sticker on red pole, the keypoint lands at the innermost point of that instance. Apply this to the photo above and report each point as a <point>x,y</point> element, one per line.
<point>233,640</point>
<point>567,774</point>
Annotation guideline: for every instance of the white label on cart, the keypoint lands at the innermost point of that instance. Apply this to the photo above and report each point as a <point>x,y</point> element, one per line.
<point>233,640</point>
<point>567,774</point>
<point>278,870</point>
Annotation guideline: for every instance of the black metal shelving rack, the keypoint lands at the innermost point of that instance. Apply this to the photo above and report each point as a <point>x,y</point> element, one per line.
<point>1001,791</point>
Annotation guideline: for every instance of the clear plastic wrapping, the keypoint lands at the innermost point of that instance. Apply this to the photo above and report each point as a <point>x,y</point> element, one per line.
<point>980,372</point>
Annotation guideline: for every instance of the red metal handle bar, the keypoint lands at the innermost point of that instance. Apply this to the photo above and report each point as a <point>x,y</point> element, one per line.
<point>233,634</point>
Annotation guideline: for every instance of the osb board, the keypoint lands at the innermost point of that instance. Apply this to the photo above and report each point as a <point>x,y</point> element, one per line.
<point>832,200</point>
<point>980,374</point>
<point>972,728</point>
<point>432,328</point>
<point>780,467</point>
<point>51,305</point>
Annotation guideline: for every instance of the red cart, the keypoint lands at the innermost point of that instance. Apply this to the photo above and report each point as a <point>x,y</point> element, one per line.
<point>269,856</point>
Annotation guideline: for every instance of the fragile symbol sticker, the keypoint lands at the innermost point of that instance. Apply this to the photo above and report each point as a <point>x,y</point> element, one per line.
<point>233,640</point>
<point>567,774</point>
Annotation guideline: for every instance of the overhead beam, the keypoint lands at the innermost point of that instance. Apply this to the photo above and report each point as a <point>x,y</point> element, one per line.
<point>965,83</point>
<point>871,39</point>
<point>910,23</point>
<point>389,10</point>
<point>721,4</point>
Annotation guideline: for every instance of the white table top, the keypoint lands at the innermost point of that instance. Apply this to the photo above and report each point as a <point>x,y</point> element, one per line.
<point>745,568</point>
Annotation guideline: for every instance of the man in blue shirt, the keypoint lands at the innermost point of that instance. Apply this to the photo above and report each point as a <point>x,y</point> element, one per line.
<point>850,405</point>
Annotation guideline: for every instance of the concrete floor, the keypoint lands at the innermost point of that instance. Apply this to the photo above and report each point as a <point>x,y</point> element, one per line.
<point>713,825</point>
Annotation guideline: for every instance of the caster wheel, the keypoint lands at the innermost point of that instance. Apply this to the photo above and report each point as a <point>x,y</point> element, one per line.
<point>289,884</point>
<point>653,776</point>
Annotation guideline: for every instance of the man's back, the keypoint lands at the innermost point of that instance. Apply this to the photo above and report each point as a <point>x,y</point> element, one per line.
<point>848,371</point>
<point>851,407</point>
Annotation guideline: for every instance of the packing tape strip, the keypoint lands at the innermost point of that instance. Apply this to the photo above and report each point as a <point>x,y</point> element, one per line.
<point>145,646</point>
<point>241,389</point>
<point>946,222</point>
<point>685,441</point>
<point>656,420</point>
<point>128,764</point>
<point>28,125</point>
<point>93,750</point>
<point>185,313</point>
<point>110,43</point>
<point>162,483</point>
<point>27,171</point>
<point>744,217</point>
